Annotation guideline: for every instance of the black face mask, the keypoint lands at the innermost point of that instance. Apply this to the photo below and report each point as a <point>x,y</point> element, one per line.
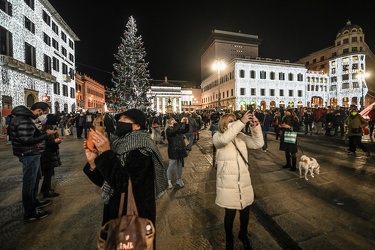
<point>123,128</point>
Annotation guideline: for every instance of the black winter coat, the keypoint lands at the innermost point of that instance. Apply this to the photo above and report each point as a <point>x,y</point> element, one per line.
<point>176,144</point>
<point>51,156</point>
<point>140,168</point>
<point>26,138</point>
<point>292,148</point>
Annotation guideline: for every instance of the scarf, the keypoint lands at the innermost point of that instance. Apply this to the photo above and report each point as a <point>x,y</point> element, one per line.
<point>138,140</point>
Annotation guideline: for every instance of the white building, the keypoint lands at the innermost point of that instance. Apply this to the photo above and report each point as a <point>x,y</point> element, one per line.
<point>37,58</point>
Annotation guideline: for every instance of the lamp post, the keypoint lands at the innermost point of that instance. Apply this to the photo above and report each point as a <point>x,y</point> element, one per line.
<point>361,77</point>
<point>218,65</point>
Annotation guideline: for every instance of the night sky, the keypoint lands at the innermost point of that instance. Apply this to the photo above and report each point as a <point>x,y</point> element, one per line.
<point>174,32</point>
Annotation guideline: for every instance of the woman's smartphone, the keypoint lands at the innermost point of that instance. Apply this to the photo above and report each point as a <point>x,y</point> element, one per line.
<point>250,108</point>
<point>89,143</point>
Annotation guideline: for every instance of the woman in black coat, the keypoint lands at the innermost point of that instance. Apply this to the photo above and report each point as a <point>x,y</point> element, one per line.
<point>50,157</point>
<point>176,148</point>
<point>289,122</point>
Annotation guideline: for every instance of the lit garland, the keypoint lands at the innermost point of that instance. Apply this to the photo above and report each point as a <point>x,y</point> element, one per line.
<point>14,83</point>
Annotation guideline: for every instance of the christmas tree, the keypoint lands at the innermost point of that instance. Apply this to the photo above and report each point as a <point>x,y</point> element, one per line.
<point>130,76</point>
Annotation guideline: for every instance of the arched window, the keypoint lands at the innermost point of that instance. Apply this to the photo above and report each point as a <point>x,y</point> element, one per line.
<point>30,100</point>
<point>57,107</point>
<point>242,73</point>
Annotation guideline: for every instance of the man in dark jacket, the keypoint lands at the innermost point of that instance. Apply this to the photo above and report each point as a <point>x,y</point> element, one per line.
<point>28,144</point>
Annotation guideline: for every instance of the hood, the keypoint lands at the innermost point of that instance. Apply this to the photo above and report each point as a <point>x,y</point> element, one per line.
<point>22,110</point>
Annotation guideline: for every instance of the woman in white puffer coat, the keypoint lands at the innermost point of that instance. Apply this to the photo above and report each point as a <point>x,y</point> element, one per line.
<point>233,184</point>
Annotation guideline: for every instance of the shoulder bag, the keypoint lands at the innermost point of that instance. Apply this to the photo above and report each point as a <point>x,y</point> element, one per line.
<point>290,137</point>
<point>128,231</point>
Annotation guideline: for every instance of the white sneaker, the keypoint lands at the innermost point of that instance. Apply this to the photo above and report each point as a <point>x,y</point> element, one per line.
<point>180,183</point>
<point>170,185</point>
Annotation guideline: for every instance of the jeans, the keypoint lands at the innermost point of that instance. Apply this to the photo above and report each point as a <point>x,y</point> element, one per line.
<point>172,163</point>
<point>30,182</point>
<point>190,137</point>
<point>265,133</point>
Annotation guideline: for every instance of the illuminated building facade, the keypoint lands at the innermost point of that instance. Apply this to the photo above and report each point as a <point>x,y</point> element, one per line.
<point>37,58</point>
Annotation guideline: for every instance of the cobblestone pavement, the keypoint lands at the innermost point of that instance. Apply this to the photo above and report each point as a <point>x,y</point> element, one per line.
<point>334,210</point>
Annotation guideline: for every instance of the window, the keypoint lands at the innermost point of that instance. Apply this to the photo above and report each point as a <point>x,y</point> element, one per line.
<point>64,68</point>
<point>272,75</point>
<point>231,92</point>
<point>55,44</point>
<point>71,57</point>
<point>242,73</point>
<point>63,36</point>
<point>345,77</point>
<point>30,55</point>
<point>290,77</point>
<point>55,64</point>
<point>252,74</point>
<point>29,25</point>
<point>272,92</point>
<point>46,39</point>
<point>6,42</point>
<point>290,92</point>
<point>253,91</point>
<point>30,3</point>
<point>334,79</point>
<point>299,93</point>
<point>63,51</point>
<point>354,39</point>
<point>46,18</point>
<point>72,93</point>
<point>354,49</point>
<point>281,76</point>
<point>300,77</point>
<point>334,54</point>
<point>345,85</point>
<point>355,58</point>
<point>322,58</point>
<point>262,92</point>
<point>333,71</point>
<point>345,41</point>
<point>355,66</point>
<point>56,88</point>
<point>242,91</point>
<point>314,61</point>
<point>55,28</point>
<point>65,90</point>
<point>281,92</point>
<point>345,67</point>
<point>345,51</point>
<point>6,7</point>
<point>47,64</point>
<point>355,85</point>
<point>71,44</point>
<point>262,74</point>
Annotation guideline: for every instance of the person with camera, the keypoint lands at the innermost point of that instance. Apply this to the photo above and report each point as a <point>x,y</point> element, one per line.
<point>234,191</point>
<point>131,154</point>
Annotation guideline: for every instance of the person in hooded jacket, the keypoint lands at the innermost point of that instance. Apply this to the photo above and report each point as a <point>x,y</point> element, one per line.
<point>355,123</point>
<point>50,157</point>
<point>131,154</point>
<point>176,148</point>
<point>233,183</point>
<point>28,143</point>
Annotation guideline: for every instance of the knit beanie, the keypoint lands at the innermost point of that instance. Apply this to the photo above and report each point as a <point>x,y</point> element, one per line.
<point>134,114</point>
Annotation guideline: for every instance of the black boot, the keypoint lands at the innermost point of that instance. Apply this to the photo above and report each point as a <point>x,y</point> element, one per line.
<point>287,157</point>
<point>294,162</point>
<point>242,236</point>
<point>229,245</point>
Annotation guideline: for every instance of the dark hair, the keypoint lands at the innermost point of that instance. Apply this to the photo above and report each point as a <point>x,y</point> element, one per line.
<point>40,105</point>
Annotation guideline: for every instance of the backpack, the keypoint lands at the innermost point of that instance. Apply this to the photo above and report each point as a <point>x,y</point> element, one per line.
<point>128,231</point>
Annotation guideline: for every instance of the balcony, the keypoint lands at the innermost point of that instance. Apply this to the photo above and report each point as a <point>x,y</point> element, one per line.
<point>10,62</point>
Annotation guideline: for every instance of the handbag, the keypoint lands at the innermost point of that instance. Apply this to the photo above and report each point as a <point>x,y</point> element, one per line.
<point>128,231</point>
<point>356,130</point>
<point>186,141</point>
<point>290,137</point>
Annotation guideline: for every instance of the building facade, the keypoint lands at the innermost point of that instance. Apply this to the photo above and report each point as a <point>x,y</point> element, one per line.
<point>350,65</point>
<point>37,56</point>
<point>90,94</point>
<point>340,75</point>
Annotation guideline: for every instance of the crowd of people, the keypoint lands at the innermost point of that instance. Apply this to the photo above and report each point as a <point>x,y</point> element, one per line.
<point>126,147</point>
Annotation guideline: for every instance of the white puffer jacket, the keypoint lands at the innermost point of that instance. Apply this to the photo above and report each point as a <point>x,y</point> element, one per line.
<point>233,183</point>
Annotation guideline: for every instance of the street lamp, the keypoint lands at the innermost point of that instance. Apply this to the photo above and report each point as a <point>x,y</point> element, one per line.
<point>218,65</point>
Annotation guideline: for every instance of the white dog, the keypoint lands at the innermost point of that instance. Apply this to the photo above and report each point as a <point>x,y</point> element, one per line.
<point>309,164</point>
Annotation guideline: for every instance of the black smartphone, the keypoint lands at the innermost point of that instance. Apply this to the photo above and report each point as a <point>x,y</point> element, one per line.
<point>250,108</point>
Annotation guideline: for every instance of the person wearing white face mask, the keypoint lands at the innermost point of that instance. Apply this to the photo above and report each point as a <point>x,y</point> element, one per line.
<point>233,184</point>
